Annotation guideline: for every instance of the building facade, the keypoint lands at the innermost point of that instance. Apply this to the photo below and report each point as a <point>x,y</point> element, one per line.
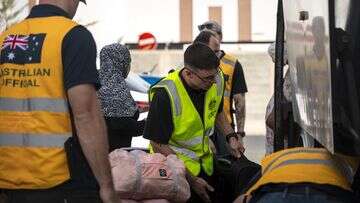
<point>177,20</point>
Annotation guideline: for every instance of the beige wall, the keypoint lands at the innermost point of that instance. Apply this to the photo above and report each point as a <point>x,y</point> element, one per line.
<point>186,20</point>
<point>215,13</point>
<point>244,15</point>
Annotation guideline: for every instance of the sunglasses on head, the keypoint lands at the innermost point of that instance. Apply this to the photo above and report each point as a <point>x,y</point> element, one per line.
<point>209,27</point>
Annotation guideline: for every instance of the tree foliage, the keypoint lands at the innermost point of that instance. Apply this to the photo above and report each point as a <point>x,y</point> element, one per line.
<point>9,12</point>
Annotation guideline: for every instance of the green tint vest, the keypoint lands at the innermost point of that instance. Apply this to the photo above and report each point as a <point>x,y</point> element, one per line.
<point>190,137</point>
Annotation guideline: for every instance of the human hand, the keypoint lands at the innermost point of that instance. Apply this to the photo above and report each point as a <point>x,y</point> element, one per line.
<point>241,141</point>
<point>236,147</point>
<point>201,187</point>
<point>243,199</point>
<point>108,195</point>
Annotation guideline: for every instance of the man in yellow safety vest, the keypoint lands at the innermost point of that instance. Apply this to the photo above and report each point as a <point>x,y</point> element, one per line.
<point>184,108</point>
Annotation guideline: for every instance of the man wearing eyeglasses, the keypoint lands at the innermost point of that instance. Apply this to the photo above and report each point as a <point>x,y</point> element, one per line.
<point>235,87</point>
<point>184,108</point>
<point>243,169</point>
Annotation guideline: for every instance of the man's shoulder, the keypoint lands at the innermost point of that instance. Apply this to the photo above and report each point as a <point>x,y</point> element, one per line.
<point>81,31</point>
<point>62,23</point>
<point>160,91</point>
<point>230,60</point>
<point>79,36</point>
<point>230,57</point>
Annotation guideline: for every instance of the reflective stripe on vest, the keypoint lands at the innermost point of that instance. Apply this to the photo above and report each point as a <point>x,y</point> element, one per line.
<point>170,85</point>
<point>185,152</point>
<point>226,93</point>
<point>209,131</point>
<point>219,84</point>
<point>229,62</point>
<point>34,104</point>
<point>190,143</point>
<point>30,140</point>
<point>196,140</point>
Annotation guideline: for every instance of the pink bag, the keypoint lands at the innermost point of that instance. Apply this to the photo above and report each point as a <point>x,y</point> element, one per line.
<point>139,176</point>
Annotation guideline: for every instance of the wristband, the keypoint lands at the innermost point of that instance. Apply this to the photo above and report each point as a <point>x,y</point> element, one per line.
<point>230,135</point>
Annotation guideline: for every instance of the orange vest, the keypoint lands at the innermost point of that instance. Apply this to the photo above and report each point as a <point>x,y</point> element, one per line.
<point>306,165</point>
<point>227,65</point>
<point>34,113</point>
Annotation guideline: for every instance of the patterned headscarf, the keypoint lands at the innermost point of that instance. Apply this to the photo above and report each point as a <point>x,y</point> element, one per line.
<point>271,52</point>
<point>114,94</point>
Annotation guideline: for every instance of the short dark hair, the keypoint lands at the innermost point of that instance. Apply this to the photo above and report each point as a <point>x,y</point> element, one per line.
<point>200,56</point>
<point>204,37</point>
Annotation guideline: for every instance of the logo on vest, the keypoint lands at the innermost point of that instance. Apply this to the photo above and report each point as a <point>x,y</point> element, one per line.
<point>212,105</point>
<point>162,172</point>
<point>22,49</point>
<point>212,108</point>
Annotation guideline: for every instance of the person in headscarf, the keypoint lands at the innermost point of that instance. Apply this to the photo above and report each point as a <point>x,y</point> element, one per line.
<point>120,110</point>
<point>270,114</point>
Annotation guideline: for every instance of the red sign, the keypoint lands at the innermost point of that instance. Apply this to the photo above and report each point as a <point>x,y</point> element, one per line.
<point>147,41</point>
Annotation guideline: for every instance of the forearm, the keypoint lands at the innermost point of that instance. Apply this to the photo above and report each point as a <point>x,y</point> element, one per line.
<point>226,130</point>
<point>91,131</point>
<point>223,124</point>
<point>163,149</point>
<point>240,111</point>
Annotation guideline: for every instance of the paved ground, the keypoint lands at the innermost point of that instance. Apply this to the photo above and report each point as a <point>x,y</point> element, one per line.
<point>254,144</point>
<point>255,147</point>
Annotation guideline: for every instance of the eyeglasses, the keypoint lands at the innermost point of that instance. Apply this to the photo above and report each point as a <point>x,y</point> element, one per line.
<point>210,78</point>
<point>210,27</point>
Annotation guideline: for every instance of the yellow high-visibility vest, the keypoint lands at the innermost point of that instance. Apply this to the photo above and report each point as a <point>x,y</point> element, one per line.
<point>34,113</point>
<point>305,165</point>
<point>190,137</point>
<point>227,65</point>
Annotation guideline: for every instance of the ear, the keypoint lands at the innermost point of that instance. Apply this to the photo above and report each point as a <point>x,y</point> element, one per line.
<point>187,72</point>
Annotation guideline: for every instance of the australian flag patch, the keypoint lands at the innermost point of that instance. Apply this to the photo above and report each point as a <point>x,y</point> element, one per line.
<point>22,49</point>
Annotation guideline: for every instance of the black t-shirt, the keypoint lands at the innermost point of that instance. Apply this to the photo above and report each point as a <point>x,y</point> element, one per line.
<point>159,124</point>
<point>78,50</point>
<point>238,80</point>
